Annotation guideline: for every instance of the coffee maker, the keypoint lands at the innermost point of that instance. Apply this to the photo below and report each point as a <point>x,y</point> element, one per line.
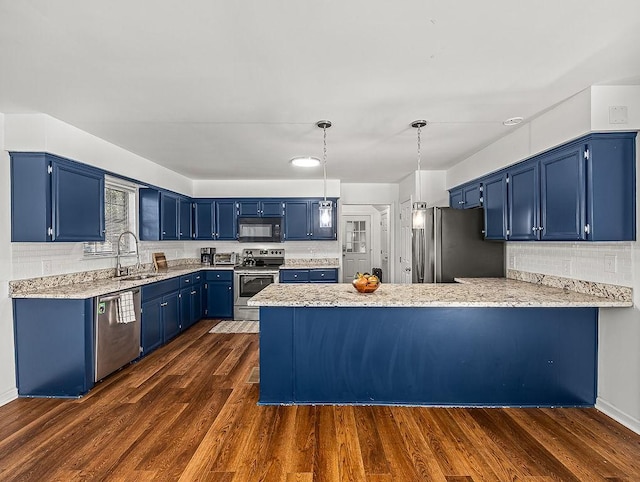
<point>206,255</point>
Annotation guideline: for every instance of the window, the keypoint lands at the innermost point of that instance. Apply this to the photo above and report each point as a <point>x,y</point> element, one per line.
<point>119,216</point>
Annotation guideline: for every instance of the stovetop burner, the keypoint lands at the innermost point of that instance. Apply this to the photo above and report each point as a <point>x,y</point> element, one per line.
<point>261,259</point>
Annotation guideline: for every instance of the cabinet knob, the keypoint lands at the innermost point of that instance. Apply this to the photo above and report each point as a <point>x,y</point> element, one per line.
<point>187,281</point>
<point>229,288</point>
<point>164,232</point>
<point>295,275</point>
<point>322,274</point>
<point>460,202</point>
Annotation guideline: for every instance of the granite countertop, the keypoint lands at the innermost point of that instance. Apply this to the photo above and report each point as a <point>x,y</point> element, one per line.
<point>484,292</point>
<point>90,289</point>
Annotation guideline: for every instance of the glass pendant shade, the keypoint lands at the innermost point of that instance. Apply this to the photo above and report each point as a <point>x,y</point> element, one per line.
<point>326,217</point>
<point>419,215</point>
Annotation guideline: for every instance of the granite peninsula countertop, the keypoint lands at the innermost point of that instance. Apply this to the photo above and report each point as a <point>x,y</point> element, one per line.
<point>92,288</point>
<point>478,292</point>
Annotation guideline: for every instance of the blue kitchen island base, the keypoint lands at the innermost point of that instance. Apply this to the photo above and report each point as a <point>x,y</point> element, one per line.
<point>428,356</point>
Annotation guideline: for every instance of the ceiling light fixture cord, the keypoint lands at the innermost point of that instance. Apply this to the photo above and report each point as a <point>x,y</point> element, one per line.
<point>324,159</point>
<point>419,168</point>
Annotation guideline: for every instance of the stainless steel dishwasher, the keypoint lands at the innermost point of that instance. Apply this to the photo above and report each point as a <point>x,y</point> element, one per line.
<point>116,344</point>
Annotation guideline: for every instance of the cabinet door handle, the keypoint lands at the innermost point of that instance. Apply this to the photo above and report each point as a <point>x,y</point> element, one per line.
<point>534,229</point>
<point>187,280</point>
<point>587,229</point>
<point>164,304</point>
<point>460,202</point>
<point>193,292</point>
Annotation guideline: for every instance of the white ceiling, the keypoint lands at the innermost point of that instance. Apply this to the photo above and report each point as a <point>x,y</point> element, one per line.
<point>232,89</point>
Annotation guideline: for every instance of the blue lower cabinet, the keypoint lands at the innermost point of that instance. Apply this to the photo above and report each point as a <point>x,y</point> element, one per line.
<point>160,313</point>
<point>218,293</point>
<point>314,275</point>
<point>294,276</point>
<point>54,357</point>
<point>170,315</point>
<point>323,275</point>
<point>186,308</point>
<point>219,299</point>
<point>151,326</point>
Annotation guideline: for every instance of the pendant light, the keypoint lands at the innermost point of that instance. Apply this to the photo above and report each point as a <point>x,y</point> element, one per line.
<point>325,207</point>
<point>419,211</point>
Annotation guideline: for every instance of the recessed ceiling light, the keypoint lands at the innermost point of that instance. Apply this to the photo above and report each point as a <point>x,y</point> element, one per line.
<point>512,121</point>
<point>305,161</point>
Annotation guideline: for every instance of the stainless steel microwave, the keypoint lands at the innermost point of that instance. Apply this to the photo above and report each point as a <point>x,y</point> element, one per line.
<point>257,230</point>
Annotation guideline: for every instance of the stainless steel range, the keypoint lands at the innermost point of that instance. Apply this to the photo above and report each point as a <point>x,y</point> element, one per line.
<point>259,269</point>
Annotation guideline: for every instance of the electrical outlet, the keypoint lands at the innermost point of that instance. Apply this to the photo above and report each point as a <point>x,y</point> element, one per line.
<point>46,267</point>
<point>610,263</point>
<point>565,267</point>
<point>512,262</point>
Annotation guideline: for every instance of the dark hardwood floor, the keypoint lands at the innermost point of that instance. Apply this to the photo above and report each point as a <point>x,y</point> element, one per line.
<point>186,412</point>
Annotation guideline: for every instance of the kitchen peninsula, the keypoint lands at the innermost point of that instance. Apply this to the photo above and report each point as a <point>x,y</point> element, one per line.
<point>484,342</point>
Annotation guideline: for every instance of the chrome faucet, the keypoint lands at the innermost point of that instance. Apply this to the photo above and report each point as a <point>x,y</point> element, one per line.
<point>120,271</point>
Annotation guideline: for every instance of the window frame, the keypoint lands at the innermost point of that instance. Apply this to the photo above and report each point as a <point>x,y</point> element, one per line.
<point>96,249</point>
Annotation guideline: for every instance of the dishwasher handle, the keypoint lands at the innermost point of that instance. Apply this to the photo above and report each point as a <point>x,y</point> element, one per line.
<point>115,297</point>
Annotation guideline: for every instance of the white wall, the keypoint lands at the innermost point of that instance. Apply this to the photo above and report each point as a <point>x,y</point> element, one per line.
<point>7,367</point>
<point>564,122</point>
<point>262,188</point>
<point>43,133</point>
<point>619,329</point>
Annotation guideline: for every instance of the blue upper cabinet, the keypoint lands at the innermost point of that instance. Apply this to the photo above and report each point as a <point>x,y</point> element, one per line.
<point>317,232</point>
<point>472,196</point>
<point>204,221</point>
<point>583,190</point>
<point>215,219</point>
<point>296,220</point>
<point>54,199</point>
<point>611,187</point>
<point>495,207</point>
<point>226,226</point>
<point>185,215</point>
<point>169,217</point>
<point>259,208</point>
<point>562,194</point>
<point>302,221</point>
<point>456,199</point>
<point>159,215</point>
<point>466,197</point>
<point>524,199</point>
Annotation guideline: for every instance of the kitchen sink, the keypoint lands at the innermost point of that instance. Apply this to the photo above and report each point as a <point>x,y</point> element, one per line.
<point>138,277</point>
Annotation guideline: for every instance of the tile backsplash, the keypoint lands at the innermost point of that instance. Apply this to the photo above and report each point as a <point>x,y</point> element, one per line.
<point>598,262</point>
<point>30,260</point>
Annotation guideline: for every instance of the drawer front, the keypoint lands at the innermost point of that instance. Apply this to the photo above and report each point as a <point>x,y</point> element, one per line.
<point>186,280</point>
<point>323,275</point>
<point>197,277</point>
<point>220,275</point>
<point>160,288</point>
<point>294,276</point>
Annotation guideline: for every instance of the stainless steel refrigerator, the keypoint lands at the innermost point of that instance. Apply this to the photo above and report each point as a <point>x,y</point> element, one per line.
<point>451,245</point>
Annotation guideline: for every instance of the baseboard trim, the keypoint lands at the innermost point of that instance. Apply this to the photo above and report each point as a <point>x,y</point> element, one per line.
<point>609,410</point>
<point>8,396</point>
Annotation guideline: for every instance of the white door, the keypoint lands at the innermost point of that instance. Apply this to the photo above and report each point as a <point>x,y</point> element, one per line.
<point>405,242</point>
<point>384,246</point>
<point>356,246</point>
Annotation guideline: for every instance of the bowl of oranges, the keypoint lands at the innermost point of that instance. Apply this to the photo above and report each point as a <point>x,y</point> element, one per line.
<point>365,282</point>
